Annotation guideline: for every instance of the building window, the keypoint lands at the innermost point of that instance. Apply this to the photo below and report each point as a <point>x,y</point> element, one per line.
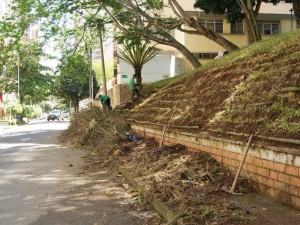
<point>213,25</point>
<point>268,27</point>
<point>205,55</point>
<point>237,27</point>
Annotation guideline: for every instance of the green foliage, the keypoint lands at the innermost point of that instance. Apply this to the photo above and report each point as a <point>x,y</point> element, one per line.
<point>12,122</point>
<point>31,111</point>
<point>165,82</point>
<point>35,80</point>
<point>17,109</point>
<point>220,7</point>
<point>76,24</point>
<point>72,83</point>
<point>27,110</point>
<point>228,7</point>
<point>137,55</point>
<point>46,106</point>
<point>109,70</point>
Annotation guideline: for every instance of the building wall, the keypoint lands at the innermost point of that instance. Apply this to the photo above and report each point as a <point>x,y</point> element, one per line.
<point>156,69</point>
<point>285,25</point>
<point>199,43</point>
<point>273,171</point>
<point>119,94</point>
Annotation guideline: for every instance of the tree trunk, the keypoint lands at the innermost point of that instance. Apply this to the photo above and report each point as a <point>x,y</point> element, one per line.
<point>191,22</point>
<point>247,7</point>
<point>248,31</point>
<point>76,105</point>
<point>138,74</point>
<point>171,41</point>
<point>296,7</point>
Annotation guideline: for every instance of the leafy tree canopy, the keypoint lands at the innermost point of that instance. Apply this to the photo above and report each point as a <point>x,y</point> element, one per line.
<point>35,80</point>
<point>72,83</point>
<point>229,7</point>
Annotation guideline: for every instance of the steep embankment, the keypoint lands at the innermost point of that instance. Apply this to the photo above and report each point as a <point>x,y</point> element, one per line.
<point>253,90</point>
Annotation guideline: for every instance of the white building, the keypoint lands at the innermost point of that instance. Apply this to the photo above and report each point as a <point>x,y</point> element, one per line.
<point>159,68</point>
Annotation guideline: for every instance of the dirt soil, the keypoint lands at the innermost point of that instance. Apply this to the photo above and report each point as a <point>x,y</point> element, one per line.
<point>191,184</point>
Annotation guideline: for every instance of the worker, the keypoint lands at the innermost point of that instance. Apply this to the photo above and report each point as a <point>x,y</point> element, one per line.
<point>105,101</point>
<point>133,88</point>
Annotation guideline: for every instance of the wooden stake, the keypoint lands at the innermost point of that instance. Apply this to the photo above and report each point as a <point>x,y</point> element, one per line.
<point>162,136</point>
<point>231,191</point>
<point>166,128</point>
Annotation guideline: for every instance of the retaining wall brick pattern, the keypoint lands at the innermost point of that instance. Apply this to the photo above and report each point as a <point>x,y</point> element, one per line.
<point>275,172</point>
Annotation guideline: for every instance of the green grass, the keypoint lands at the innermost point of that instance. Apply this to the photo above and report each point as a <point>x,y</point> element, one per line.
<point>165,82</point>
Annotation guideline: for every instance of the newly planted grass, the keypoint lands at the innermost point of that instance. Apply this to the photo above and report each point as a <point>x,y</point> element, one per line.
<point>251,90</point>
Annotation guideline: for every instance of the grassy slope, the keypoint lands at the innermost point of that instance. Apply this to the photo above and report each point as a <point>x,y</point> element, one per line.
<point>241,92</point>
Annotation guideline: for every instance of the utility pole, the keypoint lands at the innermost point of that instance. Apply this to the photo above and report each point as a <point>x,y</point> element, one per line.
<point>102,60</point>
<point>18,65</point>
<point>291,10</point>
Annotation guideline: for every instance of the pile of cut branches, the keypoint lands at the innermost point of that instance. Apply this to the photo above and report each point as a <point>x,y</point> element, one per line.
<point>95,130</point>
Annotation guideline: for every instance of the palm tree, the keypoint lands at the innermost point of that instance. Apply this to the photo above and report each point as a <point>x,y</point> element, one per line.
<point>137,55</point>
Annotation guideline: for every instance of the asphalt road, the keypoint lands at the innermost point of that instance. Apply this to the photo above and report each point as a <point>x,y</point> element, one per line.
<point>40,182</point>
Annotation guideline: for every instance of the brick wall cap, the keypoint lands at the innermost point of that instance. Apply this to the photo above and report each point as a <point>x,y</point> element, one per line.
<point>205,135</point>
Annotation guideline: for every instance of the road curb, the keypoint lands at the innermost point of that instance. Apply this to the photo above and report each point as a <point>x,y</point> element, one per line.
<point>160,207</point>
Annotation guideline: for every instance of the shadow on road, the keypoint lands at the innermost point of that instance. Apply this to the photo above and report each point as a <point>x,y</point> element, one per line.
<point>93,200</point>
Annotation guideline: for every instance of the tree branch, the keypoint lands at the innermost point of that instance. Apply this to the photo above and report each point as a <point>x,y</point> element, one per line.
<point>182,15</point>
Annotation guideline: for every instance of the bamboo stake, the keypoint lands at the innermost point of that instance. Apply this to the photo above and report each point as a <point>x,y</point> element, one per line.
<point>162,137</point>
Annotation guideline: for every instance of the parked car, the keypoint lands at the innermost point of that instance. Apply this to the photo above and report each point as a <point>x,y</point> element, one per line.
<point>56,114</point>
<point>43,116</point>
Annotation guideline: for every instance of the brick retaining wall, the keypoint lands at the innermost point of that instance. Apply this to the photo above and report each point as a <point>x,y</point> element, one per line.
<point>274,171</point>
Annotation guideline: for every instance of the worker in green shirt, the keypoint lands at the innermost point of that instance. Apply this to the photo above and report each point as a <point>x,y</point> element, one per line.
<point>132,87</point>
<point>105,101</point>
